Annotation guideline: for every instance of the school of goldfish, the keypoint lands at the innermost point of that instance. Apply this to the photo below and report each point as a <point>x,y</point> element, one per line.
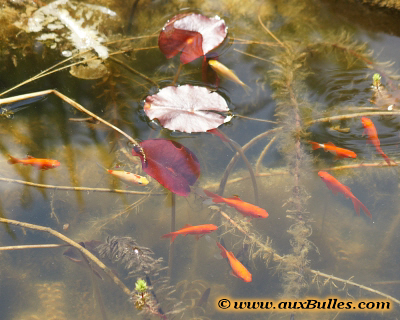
<point>333,184</point>
<point>246,209</point>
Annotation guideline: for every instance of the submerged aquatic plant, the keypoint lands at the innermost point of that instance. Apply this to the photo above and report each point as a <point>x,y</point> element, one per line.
<point>152,291</point>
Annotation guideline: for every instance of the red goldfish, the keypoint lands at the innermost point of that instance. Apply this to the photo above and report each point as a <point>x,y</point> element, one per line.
<point>238,269</point>
<point>338,152</point>
<point>245,208</point>
<point>199,231</point>
<point>335,186</point>
<point>43,164</point>
<point>370,130</point>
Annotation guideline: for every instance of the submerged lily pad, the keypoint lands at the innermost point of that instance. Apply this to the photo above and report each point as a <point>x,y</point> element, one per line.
<point>173,165</point>
<point>192,34</point>
<point>187,108</point>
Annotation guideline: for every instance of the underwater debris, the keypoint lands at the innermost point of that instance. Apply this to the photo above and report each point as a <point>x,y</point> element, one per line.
<point>187,108</point>
<point>94,69</point>
<point>64,14</point>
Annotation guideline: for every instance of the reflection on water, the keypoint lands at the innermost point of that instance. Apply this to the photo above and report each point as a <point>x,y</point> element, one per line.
<point>313,81</point>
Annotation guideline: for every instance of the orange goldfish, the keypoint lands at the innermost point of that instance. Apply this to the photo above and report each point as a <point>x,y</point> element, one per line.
<point>199,231</point>
<point>127,177</point>
<point>338,152</point>
<point>225,72</point>
<point>245,208</point>
<point>335,186</point>
<point>238,269</point>
<point>43,164</point>
<point>370,130</point>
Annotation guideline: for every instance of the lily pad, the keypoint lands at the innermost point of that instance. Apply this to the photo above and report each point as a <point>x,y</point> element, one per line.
<point>187,108</point>
<point>173,165</point>
<point>192,34</point>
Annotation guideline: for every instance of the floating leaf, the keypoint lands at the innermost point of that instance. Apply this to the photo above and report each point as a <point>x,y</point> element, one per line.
<point>187,108</point>
<point>192,34</point>
<point>170,163</point>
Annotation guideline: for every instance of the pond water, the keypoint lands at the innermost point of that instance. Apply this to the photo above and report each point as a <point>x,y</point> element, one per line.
<point>310,67</point>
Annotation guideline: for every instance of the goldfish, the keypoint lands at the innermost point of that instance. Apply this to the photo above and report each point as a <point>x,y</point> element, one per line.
<point>127,177</point>
<point>223,71</point>
<point>245,208</point>
<point>43,164</point>
<point>238,269</point>
<point>370,130</point>
<point>338,152</point>
<point>199,231</point>
<point>335,186</point>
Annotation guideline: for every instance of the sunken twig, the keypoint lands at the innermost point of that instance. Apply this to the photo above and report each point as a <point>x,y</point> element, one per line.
<point>66,188</point>
<point>72,243</point>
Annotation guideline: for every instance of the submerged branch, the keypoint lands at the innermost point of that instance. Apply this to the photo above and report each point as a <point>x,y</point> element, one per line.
<point>349,282</point>
<point>65,188</point>
<point>32,246</point>
<point>263,153</point>
<point>354,115</point>
<point>72,243</point>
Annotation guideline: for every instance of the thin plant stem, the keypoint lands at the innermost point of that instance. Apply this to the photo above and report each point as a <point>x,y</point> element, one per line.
<point>239,149</point>
<point>354,115</point>
<point>251,55</point>
<point>269,32</point>
<point>66,188</point>
<point>74,244</point>
<point>263,153</point>
<point>173,228</point>
<point>234,159</point>
<point>255,119</point>
<point>134,71</point>
<point>32,246</point>
<point>349,282</point>
<point>178,72</point>
<point>248,41</point>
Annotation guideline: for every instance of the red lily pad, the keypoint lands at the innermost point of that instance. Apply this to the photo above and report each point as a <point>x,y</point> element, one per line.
<point>187,108</point>
<point>173,165</point>
<point>192,34</point>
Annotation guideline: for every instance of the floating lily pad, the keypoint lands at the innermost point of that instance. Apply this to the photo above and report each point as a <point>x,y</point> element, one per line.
<point>187,108</point>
